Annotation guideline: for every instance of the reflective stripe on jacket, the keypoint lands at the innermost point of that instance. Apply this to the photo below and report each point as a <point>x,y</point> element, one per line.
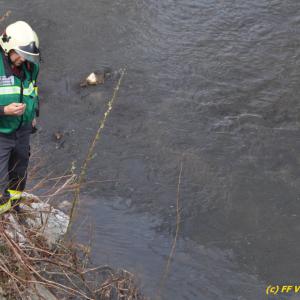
<point>11,89</point>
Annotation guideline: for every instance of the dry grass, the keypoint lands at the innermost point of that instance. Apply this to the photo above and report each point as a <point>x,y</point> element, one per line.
<point>37,270</point>
<point>24,270</point>
<point>32,269</point>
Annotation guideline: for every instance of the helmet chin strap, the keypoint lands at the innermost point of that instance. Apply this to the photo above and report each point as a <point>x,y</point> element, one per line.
<point>11,62</point>
<point>8,57</point>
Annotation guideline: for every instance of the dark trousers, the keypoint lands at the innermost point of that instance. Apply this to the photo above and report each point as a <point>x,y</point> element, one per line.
<point>14,158</point>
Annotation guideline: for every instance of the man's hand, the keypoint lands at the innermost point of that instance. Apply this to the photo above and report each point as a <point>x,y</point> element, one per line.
<point>33,123</point>
<point>14,109</point>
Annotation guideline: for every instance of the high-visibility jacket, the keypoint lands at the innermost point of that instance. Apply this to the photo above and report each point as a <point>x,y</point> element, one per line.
<point>21,89</point>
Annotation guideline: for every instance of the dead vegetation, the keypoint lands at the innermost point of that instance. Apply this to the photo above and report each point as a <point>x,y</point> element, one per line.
<point>33,268</point>
<point>36,271</point>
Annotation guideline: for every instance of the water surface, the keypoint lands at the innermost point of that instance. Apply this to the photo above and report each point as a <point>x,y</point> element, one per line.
<point>213,84</point>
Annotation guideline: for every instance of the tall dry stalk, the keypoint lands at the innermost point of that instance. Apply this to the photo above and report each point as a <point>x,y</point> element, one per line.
<point>172,252</point>
<point>88,158</point>
<point>30,266</point>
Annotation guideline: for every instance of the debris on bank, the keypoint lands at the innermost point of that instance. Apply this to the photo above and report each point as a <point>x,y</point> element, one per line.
<point>36,263</point>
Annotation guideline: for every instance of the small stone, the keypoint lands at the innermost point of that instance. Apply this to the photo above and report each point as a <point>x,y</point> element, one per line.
<point>93,79</point>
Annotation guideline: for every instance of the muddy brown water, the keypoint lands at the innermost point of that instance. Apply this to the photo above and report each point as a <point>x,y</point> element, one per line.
<point>212,83</point>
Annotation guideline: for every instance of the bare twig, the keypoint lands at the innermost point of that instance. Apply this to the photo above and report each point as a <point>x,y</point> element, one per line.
<point>93,144</point>
<point>172,252</point>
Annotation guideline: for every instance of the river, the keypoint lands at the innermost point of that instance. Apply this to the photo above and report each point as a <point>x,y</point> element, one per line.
<point>213,85</point>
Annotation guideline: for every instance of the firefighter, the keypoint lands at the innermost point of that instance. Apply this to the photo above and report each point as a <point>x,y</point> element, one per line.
<point>19,67</point>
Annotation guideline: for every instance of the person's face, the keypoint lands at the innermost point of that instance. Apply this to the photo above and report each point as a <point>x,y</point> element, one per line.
<point>16,59</point>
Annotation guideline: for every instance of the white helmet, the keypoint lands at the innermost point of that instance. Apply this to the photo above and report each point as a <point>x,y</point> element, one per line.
<point>20,37</point>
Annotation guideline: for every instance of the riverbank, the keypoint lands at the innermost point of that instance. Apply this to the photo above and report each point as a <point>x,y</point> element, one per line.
<point>37,261</point>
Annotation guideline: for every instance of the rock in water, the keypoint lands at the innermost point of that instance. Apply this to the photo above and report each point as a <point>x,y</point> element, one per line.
<point>96,77</point>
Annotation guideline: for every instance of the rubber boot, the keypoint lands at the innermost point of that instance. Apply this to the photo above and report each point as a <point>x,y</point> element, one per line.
<point>5,203</point>
<point>15,198</point>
